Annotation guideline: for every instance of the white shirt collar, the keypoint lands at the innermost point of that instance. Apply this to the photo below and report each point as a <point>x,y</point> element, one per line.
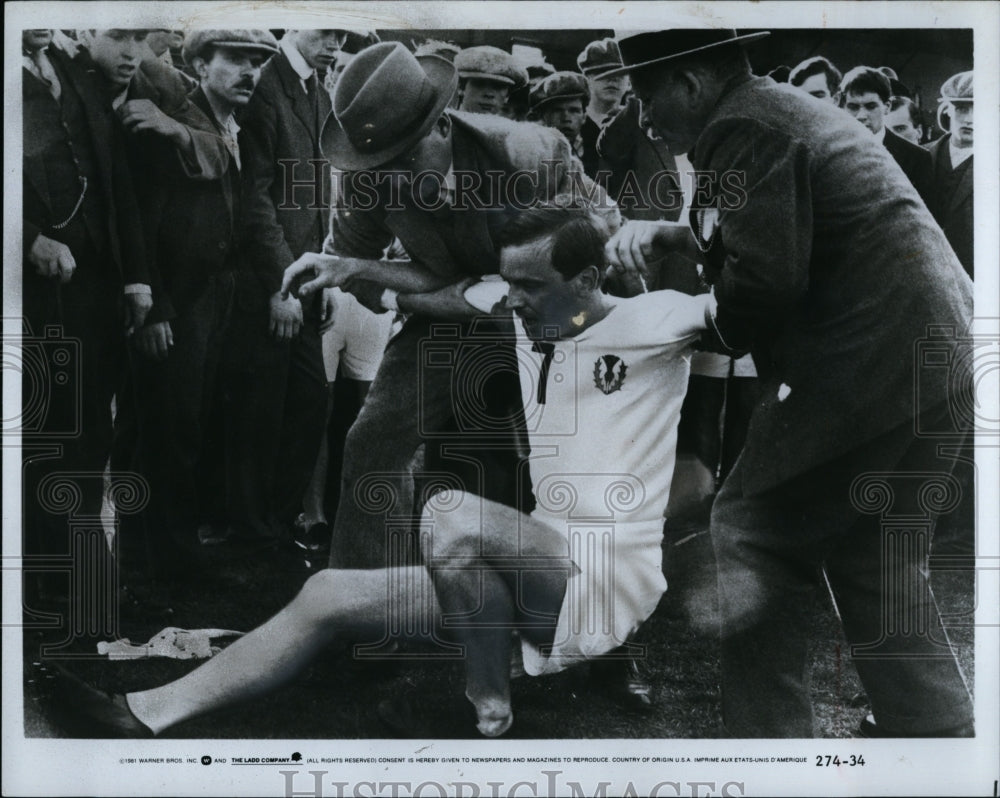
<point>959,155</point>
<point>302,69</point>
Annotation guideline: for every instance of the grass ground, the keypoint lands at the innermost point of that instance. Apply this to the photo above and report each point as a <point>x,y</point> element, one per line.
<point>337,696</point>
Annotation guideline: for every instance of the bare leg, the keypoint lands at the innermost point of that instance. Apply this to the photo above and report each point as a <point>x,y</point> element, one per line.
<point>494,570</point>
<point>332,602</point>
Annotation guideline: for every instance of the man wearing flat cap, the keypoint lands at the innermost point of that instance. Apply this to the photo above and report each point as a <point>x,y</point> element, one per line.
<point>194,224</point>
<point>951,159</point>
<point>560,101</point>
<point>828,267</point>
<point>606,90</point>
<point>275,424</point>
<point>390,126</point>
<point>486,77</point>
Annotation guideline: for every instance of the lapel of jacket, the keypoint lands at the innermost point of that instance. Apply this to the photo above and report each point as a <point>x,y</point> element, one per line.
<point>420,237</point>
<point>964,189</point>
<point>84,78</point>
<point>33,169</point>
<point>200,101</point>
<point>292,85</point>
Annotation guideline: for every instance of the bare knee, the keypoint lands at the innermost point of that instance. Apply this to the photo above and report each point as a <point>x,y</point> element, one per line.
<point>453,522</point>
<point>318,602</point>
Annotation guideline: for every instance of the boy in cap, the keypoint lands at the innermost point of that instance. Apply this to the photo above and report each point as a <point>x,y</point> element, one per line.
<point>606,90</point>
<point>559,101</point>
<point>486,77</point>
<point>951,160</point>
<point>832,300</point>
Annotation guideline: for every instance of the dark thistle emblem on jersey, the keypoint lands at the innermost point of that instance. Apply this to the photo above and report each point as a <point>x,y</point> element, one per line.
<point>609,373</point>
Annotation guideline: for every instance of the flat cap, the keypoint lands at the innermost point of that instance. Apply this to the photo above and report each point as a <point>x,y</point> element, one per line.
<point>599,57</point>
<point>490,63</point>
<point>438,48</point>
<point>560,86</point>
<point>196,41</point>
<point>958,88</point>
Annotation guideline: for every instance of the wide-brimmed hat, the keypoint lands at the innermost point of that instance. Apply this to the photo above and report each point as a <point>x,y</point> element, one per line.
<point>490,63</point>
<point>644,49</point>
<point>386,100</point>
<point>196,41</point>
<point>560,86</point>
<point>599,57</point>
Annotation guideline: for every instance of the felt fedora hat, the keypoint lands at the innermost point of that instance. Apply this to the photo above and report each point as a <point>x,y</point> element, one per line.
<point>644,49</point>
<point>386,100</point>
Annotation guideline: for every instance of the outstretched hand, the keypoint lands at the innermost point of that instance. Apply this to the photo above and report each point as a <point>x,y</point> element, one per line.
<point>315,271</point>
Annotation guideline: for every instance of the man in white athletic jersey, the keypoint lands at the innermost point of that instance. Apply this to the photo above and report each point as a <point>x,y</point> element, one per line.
<point>603,379</point>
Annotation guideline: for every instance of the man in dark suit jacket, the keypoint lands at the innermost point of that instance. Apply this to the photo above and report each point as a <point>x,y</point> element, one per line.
<point>181,343</point>
<point>951,162</point>
<point>85,275</point>
<point>392,120</point>
<point>274,424</point>
<point>830,270</point>
<point>865,94</point>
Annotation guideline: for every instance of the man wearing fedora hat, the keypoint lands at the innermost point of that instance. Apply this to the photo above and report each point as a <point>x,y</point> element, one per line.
<point>390,127</point>
<point>831,271</point>
<point>487,75</point>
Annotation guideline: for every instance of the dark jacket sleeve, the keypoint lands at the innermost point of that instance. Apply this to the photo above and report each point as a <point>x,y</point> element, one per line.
<point>258,145</point>
<point>767,233</point>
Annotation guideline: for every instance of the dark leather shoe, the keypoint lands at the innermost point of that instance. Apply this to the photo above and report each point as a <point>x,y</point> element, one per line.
<point>869,728</point>
<point>91,713</point>
<point>619,675</point>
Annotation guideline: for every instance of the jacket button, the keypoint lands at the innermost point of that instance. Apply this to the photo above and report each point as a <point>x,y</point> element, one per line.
<point>222,245</point>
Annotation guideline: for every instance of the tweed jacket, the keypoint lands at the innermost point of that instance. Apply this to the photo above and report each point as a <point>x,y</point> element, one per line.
<point>830,270</point>
<point>531,162</point>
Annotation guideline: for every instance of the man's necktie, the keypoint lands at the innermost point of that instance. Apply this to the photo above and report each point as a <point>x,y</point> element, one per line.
<point>546,348</point>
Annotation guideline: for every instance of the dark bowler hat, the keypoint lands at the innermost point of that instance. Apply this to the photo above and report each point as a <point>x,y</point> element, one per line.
<point>196,41</point>
<point>386,100</point>
<point>644,49</point>
<point>599,57</point>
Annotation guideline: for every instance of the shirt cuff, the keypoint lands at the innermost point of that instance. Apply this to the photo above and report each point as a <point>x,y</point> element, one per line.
<point>138,288</point>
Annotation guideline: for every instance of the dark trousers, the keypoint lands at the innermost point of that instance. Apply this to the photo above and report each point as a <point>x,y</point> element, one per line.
<point>844,516</point>
<point>172,401</point>
<point>457,392</point>
<point>275,412</point>
<point>71,367</point>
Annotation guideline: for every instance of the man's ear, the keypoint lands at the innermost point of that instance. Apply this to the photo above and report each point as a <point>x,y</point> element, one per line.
<point>200,67</point>
<point>444,125</point>
<point>588,280</point>
<point>693,83</point>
